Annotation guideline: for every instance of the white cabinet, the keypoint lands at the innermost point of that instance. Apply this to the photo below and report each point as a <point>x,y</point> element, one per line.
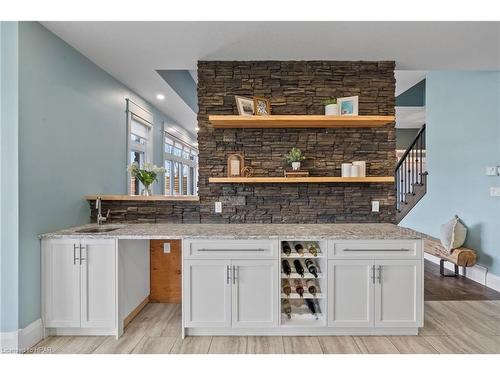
<point>79,283</point>
<point>350,293</point>
<point>398,293</point>
<point>255,293</point>
<point>375,293</point>
<point>207,293</point>
<point>230,293</point>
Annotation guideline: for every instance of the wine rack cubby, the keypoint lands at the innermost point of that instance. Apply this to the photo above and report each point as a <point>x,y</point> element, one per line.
<point>303,283</point>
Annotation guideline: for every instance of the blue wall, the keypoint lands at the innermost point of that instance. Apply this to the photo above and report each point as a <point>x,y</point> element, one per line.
<point>8,176</point>
<point>72,139</point>
<point>463,138</point>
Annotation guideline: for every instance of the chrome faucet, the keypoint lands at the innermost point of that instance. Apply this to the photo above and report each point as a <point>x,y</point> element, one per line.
<point>98,206</point>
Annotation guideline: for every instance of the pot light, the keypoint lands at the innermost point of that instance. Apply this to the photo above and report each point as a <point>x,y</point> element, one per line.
<point>160,96</point>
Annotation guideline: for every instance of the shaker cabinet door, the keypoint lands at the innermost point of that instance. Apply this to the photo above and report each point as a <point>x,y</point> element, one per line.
<point>207,293</point>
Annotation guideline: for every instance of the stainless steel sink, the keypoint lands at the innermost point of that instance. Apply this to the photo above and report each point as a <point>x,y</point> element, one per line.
<point>98,229</point>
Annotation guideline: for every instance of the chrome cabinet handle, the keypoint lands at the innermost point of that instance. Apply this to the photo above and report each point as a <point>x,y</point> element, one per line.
<point>234,275</point>
<point>74,254</point>
<point>376,249</point>
<point>228,269</point>
<point>231,250</point>
<point>380,274</point>
<point>373,274</point>
<point>85,247</point>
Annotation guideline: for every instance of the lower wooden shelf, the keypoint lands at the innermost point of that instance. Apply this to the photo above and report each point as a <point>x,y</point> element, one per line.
<point>296,180</point>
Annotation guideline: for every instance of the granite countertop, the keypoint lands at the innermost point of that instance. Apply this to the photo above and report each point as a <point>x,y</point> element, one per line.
<point>245,231</point>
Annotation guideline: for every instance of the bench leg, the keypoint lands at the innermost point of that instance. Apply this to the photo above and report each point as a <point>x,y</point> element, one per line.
<point>441,270</point>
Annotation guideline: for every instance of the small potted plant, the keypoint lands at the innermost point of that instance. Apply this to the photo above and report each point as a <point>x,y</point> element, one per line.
<point>331,107</point>
<point>146,175</point>
<point>294,157</point>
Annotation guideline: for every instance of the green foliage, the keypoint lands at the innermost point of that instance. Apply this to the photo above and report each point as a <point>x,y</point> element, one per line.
<point>294,155</point>
<point>146,175</point>
<point>330,101</point>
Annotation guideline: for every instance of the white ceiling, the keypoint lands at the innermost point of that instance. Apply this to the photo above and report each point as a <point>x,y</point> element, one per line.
<point>133,51</point>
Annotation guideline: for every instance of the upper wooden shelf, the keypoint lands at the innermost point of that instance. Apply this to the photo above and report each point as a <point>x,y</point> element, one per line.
<point>295,180</point>
<point>298,121</point>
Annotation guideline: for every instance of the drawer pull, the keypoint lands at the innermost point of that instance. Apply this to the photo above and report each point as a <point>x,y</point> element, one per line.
<point>231,249</point>
<point>376,249</point>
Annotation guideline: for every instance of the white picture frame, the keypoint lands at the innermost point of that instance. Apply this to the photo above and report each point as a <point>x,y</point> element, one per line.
<point>245,106</point>
<point>348,106</point>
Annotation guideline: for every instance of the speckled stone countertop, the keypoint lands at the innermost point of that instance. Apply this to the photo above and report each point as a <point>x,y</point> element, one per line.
<point>245,231</point>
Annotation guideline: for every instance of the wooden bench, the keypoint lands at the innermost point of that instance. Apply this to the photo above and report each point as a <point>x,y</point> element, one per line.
<point>460,257</point>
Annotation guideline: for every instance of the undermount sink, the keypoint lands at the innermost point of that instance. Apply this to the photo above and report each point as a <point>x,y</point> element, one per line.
<point>100,229</point>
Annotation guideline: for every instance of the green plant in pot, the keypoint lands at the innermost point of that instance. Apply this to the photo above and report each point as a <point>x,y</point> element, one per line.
<point>146,175</point>
<point>331,107</point>
<point>294,157</point>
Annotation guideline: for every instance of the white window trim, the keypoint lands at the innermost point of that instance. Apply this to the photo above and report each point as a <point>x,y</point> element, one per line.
<point>145,117</point>
<point>182,161</point>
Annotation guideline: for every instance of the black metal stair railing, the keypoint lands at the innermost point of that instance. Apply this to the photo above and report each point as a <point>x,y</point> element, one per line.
<point>411,176</point>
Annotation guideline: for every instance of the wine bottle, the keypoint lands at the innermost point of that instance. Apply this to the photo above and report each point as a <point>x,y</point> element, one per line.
<point>286,308</point>
<point>311,287</point>
<point>311,267</point>
<point>312,307</point>
<point>299,249</point>
<point>299,288</point>
<point>298,267</point>
<point>286,267</point>
<point>313,250</point>
<point>287,250</point>
<point>287,289</point>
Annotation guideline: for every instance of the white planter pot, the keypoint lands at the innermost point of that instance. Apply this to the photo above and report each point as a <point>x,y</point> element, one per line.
<point>296,165</point>
<point>332,110</point>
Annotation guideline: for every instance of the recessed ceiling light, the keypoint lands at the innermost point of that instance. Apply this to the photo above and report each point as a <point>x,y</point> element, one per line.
<point>160,96</point>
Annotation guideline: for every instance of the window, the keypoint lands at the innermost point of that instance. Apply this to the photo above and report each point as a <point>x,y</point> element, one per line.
<point>140,141</point>
<point>181,167</point>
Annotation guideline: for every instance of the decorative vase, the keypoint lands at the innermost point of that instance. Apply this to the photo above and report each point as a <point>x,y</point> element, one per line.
<point>146,192</point>
<point>332,110</point>
<point>296,165</point>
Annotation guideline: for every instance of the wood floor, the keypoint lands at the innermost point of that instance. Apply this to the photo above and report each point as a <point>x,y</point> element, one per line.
<point>465,320</point>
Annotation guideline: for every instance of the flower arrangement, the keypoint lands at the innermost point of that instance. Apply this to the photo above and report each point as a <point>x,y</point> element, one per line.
<point>146,175</point>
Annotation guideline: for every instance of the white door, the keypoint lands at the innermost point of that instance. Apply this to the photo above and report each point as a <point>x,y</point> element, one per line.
<point>207,293</point>
<point>98,283</point>
<point>255,293</point>
<point>350,293</point>
<point>61,284</point>
<point>398,293</point>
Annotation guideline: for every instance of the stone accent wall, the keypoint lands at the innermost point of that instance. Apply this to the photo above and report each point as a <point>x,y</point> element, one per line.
<point>294,87</point>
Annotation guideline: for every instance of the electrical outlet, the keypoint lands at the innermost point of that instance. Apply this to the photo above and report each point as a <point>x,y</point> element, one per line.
<point>492,171</point>
<point>495,191</point>
<point>166,248</point>
<point>375,206</point>
<point>218,207</point>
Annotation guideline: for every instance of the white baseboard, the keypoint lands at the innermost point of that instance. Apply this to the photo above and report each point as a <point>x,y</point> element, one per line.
<point>23,339</point>
<point>476,273</point>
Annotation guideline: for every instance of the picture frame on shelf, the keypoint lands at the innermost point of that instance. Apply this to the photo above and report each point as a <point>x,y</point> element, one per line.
<point>348,106</point>
<point>235,165</point>
<point>262,106</point>
<point>245,105</point>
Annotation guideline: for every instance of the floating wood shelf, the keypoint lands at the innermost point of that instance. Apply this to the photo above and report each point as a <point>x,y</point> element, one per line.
<point>298,121</point>
<point>297,180</point>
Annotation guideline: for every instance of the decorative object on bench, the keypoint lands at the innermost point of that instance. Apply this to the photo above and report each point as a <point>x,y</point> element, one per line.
<point>247,172</point>
<point>262,106</point>
<point>245,106</point>
<point>348,106</point>
<point>235,165</point>
<point>453,234</point>
<point>294,157</point>
<point>331,107</point>
<point>146,175</point>
<point>460,257</point>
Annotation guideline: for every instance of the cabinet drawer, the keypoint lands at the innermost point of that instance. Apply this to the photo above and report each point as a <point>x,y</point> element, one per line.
<point>230,249</point>
<point>359,249</point>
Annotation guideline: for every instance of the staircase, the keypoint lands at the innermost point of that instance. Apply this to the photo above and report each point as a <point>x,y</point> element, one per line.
<point>411,176</point>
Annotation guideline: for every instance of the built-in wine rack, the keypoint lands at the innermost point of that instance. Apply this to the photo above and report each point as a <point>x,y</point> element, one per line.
<point>303,285</point>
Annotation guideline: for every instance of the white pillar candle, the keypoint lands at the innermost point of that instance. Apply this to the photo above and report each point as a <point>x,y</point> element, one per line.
<point>362,167</point>
<point>346,169</point>
<point>355,170</point>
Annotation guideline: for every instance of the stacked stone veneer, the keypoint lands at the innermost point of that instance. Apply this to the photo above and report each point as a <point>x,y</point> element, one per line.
<point>294,87</point>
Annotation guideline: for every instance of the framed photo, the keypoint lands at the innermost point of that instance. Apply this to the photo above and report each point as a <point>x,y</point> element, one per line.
<point>245,106</point>
<point>262,106</point>
<point>348,106</point>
